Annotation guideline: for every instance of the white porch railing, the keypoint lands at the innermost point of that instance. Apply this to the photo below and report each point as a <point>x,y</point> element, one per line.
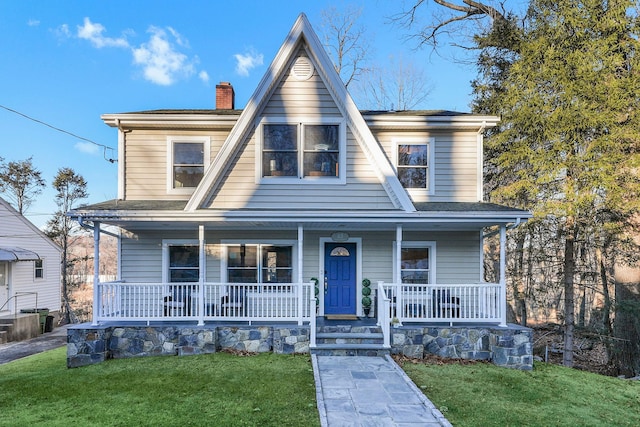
<point>468,303</point>
<point>124,301</point>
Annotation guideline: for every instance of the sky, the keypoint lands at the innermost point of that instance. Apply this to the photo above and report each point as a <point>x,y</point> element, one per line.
<point>65,63</point>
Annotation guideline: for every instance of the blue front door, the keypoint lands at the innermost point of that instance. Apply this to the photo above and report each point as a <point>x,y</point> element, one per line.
<point>340,276</point>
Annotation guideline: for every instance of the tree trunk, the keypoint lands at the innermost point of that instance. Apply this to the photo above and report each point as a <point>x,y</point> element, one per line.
<point>606,309</point>
<point>569,312</point>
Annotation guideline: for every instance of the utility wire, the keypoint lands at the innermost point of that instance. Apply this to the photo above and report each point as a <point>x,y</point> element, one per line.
<point>105,147</point>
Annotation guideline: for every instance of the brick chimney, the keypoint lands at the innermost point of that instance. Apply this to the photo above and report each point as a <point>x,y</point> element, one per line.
<point>225,97</point>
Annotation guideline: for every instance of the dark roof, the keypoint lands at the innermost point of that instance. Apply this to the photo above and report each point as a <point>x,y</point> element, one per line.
<point>464,207</point>
<point>177,205</point>
<point>135,205</point>
<point>424,113</point>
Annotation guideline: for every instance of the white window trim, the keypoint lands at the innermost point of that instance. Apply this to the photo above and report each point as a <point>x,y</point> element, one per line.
<point>36,268</point>
<point>233,242</point>
<point>165,253</point>
<point>205,140</point>
<point>431,245</point>
<point>304,180</point>
<point>431,170</point>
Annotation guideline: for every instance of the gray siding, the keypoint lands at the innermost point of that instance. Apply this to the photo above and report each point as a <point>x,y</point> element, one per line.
<point>457,253</point>
<point>456,163</point>
<point>146,160</point>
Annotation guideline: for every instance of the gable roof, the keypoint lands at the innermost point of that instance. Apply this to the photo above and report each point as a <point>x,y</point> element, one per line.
<point>302,31</point>
<point>28,224</point>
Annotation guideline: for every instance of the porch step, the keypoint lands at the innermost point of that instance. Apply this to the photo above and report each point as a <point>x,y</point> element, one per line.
<point>345,340</point>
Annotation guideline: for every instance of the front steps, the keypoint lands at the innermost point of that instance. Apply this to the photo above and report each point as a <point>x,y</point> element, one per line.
<point>348,340</point>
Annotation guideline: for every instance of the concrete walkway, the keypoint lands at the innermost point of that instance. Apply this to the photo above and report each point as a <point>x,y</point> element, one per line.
<point>369,391</point>
<point>19,349</point>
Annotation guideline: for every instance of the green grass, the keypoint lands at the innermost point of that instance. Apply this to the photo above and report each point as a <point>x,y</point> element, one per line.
<point>217,389</point>
<point>486,395</point>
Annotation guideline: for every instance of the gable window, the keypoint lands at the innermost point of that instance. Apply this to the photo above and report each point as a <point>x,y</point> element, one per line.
<point>304,150</point>
<point>38,269</point>
<point>188,157</point>
<point>414,164</point>
<point>416,262</point>
<point>259,263</point>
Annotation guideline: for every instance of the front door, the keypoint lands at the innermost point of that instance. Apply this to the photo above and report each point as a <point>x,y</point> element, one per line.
<point>4,286</point>
<point>340,277</point>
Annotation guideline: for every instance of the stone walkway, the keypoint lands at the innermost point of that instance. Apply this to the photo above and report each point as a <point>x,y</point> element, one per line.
<point>363,391</point>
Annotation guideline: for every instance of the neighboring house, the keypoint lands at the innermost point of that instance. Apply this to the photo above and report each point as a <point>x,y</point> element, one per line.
<point>236,215</point>
<point>29,266</point>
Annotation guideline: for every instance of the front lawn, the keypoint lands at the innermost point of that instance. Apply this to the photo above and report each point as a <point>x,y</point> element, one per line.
<point>218,389</point>
<point>486,395</point>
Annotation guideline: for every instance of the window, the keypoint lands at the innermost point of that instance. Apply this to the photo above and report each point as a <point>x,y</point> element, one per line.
<point>38,269</point>
<point>302,150</point>
<point>413,163</point>
<point>416,262</point>
<point>187,160</point>
<point>184,265</point>
<point>259,263</point>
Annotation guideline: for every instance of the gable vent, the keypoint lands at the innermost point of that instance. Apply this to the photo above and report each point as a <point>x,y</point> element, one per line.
<point>302,69</point>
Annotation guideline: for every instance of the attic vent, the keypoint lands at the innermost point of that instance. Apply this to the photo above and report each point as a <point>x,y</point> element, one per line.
<point>302,69</point>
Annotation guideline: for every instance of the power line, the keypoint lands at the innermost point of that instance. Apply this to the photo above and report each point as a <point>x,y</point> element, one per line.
<point>104,147</point>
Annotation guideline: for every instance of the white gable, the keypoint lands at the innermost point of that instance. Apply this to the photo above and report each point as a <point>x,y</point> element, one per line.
<point>301,35</point>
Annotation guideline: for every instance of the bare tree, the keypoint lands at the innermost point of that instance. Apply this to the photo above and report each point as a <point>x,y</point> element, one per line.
<point>21,182</point>
<point>400,85</point>
<point>345,41</point>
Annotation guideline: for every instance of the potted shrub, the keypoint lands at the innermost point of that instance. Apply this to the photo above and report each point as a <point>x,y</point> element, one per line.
<point>316,291</point>
<point>366,296</point>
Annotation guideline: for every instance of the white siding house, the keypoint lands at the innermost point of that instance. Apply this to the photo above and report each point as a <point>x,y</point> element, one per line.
<point>236,215</point>
<point>29,265</point>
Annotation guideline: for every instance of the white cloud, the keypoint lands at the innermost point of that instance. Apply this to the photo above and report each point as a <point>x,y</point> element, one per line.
<point>86,147</point>
<point>204,76</point>
<point>33,22</point>
<point>247,62</point>
<point>161,62</point>
<point>94,33</point>
<point>63,31</point>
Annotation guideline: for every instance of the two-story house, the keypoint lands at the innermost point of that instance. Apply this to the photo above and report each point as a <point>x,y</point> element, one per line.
<point>278,213</point>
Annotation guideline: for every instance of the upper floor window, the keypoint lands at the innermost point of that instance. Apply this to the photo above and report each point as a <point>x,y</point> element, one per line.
<point>38,269</point>
<point>187,160</point>
<point>414,163</point>
<point>302,150</point>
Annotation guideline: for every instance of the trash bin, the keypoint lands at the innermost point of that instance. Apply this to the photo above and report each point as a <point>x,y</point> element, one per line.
<point>43,312</point>
<point>48,324</point>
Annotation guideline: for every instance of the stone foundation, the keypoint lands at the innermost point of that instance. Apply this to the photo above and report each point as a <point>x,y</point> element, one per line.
<point>511,346</point>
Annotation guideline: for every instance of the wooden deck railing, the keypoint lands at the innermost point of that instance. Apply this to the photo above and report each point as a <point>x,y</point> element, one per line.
<point>421,303</point>
<point>125,301</point>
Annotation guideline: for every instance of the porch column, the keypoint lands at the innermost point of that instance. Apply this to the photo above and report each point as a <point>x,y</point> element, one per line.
<point>201,273</point>
<point>503,275</point>
<point>300,276</point>
<point>96,273</point>
<point>398,278</point>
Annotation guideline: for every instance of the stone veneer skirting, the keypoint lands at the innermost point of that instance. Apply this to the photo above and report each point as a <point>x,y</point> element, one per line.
<point>511,346</point>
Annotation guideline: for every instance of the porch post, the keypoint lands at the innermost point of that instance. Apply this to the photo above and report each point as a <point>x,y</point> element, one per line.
<point>299,279</point>
<point>398,279</point>
<point>96,273</point>
<point>201,273</point>
<point>503,275</point>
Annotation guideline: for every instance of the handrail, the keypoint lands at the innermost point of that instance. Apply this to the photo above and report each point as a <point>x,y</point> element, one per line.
<point>15,297</point>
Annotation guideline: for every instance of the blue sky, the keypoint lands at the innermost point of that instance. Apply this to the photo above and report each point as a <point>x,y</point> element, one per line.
<point>67,62</point>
